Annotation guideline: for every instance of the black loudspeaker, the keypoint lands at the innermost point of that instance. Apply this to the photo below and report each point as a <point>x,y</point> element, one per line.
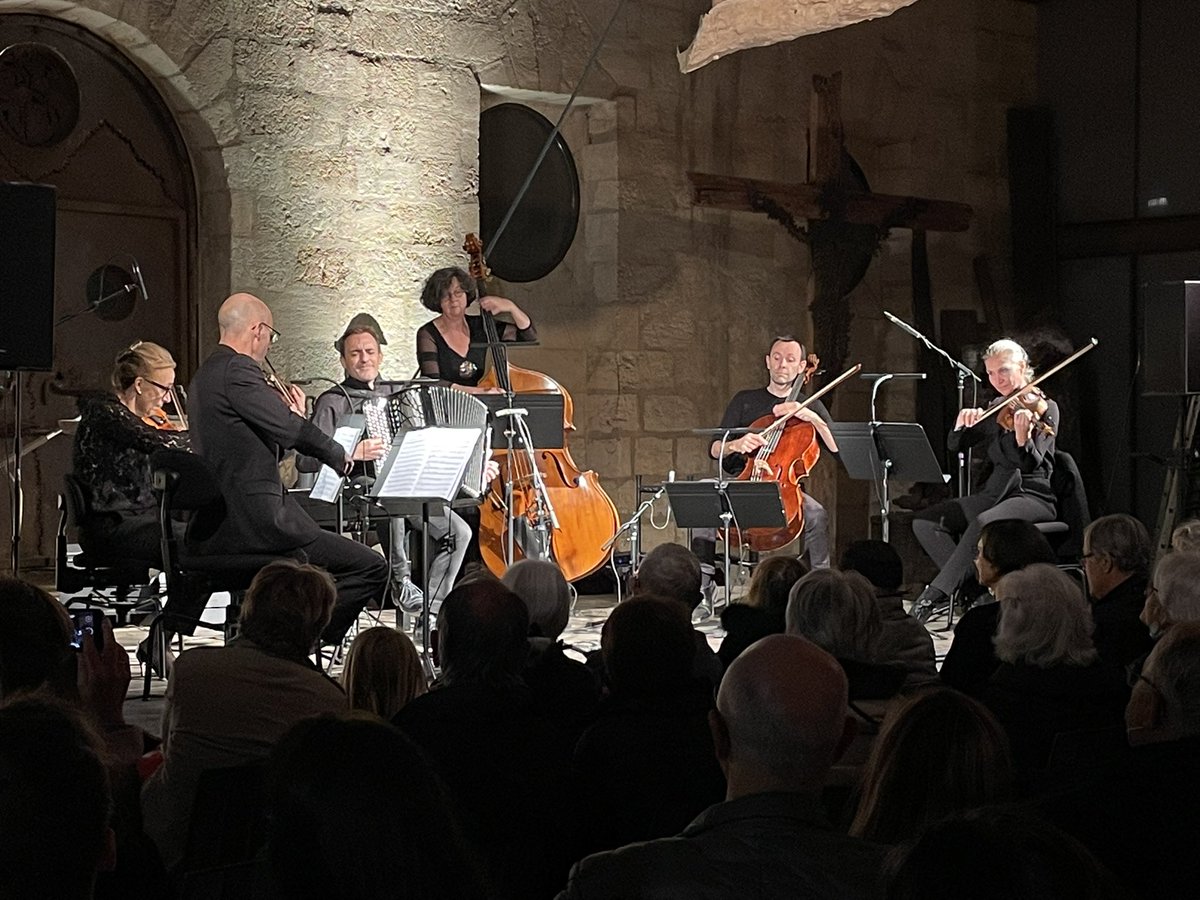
<point>27,276</point>
<point>1171,338</point>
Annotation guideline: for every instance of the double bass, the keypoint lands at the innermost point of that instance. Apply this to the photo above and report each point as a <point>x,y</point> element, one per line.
<point>582,517</point>
<point>790,451</point>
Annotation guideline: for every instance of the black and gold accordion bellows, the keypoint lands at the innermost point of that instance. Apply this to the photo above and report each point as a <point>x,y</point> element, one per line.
<point>432,406</point>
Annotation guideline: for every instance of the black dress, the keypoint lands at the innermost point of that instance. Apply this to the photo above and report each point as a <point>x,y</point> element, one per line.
<point>438,360</point>
<point>111,458</point>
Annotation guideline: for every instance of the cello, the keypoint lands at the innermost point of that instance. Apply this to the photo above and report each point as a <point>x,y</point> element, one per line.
<point>790,451</point>
<point>577,515</point>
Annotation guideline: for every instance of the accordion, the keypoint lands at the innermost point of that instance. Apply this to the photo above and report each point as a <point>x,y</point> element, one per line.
<point>432,406</point>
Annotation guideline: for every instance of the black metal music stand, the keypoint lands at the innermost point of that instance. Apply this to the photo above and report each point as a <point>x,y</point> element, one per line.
<point>726,504</point>
<point>544,417</point>
<point>420,494</point>
<point>878,451</point>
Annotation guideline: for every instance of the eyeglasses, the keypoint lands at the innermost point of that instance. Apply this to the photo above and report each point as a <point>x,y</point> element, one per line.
<point>275,335</point>
<point>457,294</point>
<point>165,388</point>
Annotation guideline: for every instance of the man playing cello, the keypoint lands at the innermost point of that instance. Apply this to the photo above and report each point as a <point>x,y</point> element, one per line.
<point>785,363</point>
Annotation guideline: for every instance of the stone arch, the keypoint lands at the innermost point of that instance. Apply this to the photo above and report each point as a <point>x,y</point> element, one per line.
<point>178,195</point>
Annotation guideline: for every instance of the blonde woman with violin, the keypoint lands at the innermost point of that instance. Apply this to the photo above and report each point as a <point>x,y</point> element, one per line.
<point>1019,443</point>
<point>111,458</point>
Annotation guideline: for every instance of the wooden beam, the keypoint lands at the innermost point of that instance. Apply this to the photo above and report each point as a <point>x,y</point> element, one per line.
<point>808,201</point>
<point>1125,237</point>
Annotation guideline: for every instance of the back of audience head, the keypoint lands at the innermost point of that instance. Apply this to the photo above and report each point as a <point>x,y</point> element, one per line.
<point>380,783</point>
<point>648,646</point>
<point>670,570</point>
<point>836,611</point>
<point>772,582</point>
<point>1186,536</point>
<point>995,854</point>
<point>1165,703</point>
<point>287,607</point>
<point>939,752</point>
<point>1121,539</point>
<point>1007,545</point>
<point>1044,619</point>
<point>35,641</point>
<point>780,721</point>
<point>482,635</point>
<point>383,672</point>
<point>1174,592</point>
<point>876,561</point>
<point>543,589</point>
<point>55,801</point>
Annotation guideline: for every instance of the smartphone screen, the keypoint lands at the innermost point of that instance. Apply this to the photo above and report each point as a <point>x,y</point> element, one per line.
<point>87,622</point>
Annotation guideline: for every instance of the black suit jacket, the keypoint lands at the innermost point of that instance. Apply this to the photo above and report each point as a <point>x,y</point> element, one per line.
<point>241,427</point>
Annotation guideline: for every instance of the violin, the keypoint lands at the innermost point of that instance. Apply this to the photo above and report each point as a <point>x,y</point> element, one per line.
<point>1029,398</point>
<point>158,419</point>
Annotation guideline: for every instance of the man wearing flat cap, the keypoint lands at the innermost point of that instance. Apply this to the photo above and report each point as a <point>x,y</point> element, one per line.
<point>361,356</point>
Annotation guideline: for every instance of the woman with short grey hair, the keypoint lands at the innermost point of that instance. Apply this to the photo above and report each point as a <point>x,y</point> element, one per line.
<point>1050,681</point>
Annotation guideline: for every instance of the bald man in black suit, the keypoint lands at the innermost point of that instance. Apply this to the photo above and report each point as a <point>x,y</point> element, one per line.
<point>242,426</point>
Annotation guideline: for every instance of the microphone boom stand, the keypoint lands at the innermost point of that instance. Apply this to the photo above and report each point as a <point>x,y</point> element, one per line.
<point>963,373</point>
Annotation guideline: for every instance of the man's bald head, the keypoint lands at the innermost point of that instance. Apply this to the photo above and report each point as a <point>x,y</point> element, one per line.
<point>783,708</point>
<point>242,319</point>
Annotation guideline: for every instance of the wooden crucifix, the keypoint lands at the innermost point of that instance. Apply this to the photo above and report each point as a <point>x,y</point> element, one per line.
<point>845,222</point>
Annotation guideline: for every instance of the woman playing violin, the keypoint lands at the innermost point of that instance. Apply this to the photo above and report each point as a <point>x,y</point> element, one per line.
<point>1020,447</point>
<point>117,434</point>
<point>444,345</point>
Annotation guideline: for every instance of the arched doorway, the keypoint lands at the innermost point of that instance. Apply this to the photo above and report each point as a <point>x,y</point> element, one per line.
<point>126,189</point>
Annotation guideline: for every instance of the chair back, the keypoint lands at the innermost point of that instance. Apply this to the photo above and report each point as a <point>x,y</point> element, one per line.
<point>77,506</point>
<point>185,483</point>
<point>1067,484</point>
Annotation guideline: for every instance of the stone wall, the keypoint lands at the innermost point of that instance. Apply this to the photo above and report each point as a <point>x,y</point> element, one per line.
<point>346,133</point>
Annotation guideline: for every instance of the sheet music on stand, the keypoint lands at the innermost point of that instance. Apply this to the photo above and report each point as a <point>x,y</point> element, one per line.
<point>347,435</point>
<point>427,463</point>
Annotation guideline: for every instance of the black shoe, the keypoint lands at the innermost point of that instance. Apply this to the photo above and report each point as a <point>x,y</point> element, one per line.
<point>927,604</point>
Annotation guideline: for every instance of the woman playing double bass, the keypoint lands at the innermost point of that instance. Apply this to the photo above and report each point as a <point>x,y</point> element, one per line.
<point>444,345</point>
<point>785,362</point>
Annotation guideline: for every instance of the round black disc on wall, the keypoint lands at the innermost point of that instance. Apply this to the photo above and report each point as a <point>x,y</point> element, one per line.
<point>543,226</point>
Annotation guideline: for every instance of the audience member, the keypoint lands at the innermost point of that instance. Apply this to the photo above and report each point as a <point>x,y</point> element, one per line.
<point>506,766</point>
<point>1141,818</point>
<point>939,752</point>
<point>837,612</point>
<point>55,802</point>
<point>995,854</point>
<point>394,832</point>
<point>564,689</point>
<point>1186,536</point>
<point>1173,594</point>
<point>35,641</point>
<point>1117,552</point>
<point>227,706</point>
<point>761,611</point>
<point>1006,545</point>
<point>904,641</point>
<point>1049,679</point>
<point>648,759</point>
<point>779,725</point>
<point>383,672</point>
<point>673,571</point>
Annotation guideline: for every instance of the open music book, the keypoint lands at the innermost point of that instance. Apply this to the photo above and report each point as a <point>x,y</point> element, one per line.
<point>347,434</point>
<point>427,463</point>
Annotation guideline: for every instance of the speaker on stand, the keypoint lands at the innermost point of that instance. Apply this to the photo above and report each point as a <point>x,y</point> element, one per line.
<point>27,216</point>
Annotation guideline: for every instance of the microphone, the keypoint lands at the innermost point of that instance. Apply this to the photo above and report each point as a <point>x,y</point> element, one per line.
<point>890,375</point>
<point>305,382</point>
<point>904,325</point>
<point>141,282</point>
